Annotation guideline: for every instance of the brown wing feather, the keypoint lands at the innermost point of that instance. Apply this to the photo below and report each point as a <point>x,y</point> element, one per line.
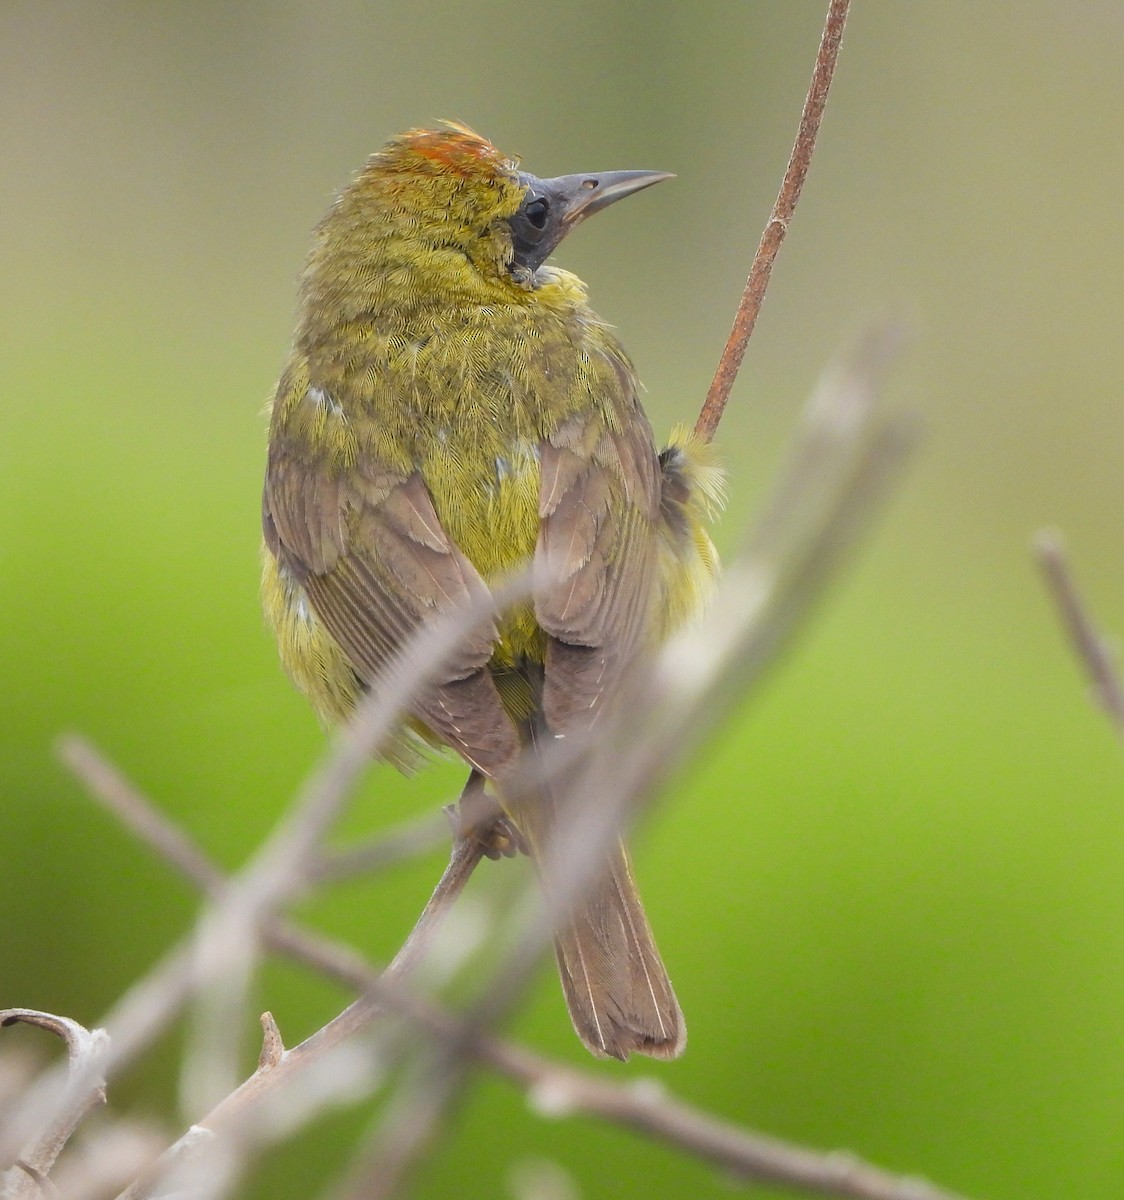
<point>594,562</point>
<point>376,565</point>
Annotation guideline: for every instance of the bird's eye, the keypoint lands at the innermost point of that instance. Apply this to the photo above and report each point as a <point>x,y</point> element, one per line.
<point>536,212</point>
<point>535,229</point>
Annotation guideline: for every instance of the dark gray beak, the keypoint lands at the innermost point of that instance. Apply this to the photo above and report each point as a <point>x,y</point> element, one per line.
<point>552,207</point>
<point>580,196</point>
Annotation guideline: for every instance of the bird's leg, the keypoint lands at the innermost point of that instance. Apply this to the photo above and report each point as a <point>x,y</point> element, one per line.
<point>477,815</point>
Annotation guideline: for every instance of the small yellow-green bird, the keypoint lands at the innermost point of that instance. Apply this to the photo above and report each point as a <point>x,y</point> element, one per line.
<point>452,410</point>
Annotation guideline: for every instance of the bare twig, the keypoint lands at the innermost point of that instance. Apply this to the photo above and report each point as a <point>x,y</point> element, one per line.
<point>137,813</point>
<point>385,849</point>
<point>644,1107</point>
<point>783,211</point>
<point>109,785</point>
<point>1089,644</point>
<point>142,818</point>
<point>84,1089</point>
<point>557,1091</point>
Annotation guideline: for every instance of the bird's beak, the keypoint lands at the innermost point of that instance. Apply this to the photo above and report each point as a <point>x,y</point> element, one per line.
<point>580,196</point>
<point>577,197</point>
<point>564,202</point>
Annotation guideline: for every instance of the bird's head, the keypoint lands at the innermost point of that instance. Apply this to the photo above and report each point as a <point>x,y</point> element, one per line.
<point>442,200</point>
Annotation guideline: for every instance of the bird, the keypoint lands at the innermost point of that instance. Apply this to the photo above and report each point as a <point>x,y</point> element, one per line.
<point>452,409</point>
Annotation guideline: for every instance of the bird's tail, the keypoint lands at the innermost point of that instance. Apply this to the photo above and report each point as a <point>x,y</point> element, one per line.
<point>617,990</point>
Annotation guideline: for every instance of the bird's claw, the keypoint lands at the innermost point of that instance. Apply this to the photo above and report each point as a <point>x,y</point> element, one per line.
<point>477,816</point>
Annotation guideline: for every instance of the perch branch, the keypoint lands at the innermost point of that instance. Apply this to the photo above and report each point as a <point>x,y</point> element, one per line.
<point>783,210</point>
<point>279,1067</point>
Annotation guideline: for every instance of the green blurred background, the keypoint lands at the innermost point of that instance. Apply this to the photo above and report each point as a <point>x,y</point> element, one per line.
<point>890,891</point>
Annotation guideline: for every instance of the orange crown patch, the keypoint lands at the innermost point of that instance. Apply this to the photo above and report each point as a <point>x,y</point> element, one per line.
<point>453,147</point>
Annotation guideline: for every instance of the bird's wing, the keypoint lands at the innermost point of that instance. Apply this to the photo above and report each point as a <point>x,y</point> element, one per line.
<point>370,553</point>
<point>595,559</point>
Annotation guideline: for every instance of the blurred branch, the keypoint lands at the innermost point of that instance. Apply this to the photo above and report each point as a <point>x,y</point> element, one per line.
<point>278,1067</point>
<point>106,784</point>
<point>783,211</point>
<point>1088,643</point>
<point>109,786</point>
<point>137,813</point>
<point>385,849</point>
<point>555,1091</point>
<point>643,1106</point>
<point>83,1090</point>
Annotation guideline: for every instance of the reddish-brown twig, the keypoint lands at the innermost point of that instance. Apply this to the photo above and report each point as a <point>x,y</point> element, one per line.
<point>783,210</point>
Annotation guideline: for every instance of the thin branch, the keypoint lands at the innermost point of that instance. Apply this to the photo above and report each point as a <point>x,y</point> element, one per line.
<point>385,849</point>
<point>783,210</point>
<point>137,813</point>
<point>271,879</point>
<point>83,1090</point>
<point>107,784</point>
<point>142,818</point>
<point>1089,644</point>
<point>557,1091</point>
<point>644,1107</point>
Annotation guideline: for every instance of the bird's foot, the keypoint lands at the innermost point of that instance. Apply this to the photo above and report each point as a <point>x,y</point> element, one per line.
<point>478,816</point>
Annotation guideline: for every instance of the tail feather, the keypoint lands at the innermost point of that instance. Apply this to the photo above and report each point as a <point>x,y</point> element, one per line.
<point>616,987</point>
